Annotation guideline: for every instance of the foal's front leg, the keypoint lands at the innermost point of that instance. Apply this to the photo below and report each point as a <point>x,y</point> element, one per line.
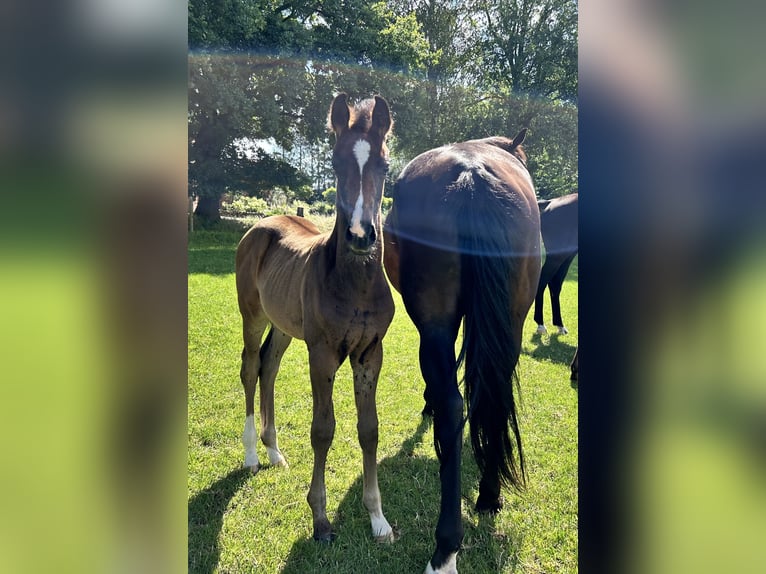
<point>323,363</point>
<point>366,366</point>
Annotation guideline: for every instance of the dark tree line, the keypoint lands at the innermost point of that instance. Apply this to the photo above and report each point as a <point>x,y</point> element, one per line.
<point>262,74</point>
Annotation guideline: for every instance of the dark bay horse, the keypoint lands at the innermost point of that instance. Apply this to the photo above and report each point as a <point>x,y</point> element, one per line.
<point>329,290</point>
<point>558,224</point>
<point>462,243</point>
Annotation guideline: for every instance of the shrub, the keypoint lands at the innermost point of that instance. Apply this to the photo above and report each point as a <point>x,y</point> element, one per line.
<point>323,208</point>
<point>329,195</point>
<point>247,205</point>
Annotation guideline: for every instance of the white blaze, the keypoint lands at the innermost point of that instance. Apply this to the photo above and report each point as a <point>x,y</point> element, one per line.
<point>362,154</point>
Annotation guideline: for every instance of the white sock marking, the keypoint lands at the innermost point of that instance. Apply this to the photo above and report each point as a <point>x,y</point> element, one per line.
<point>380,526</point>
<point>362,154</point>
<point>249,440</point>
<point>275,457</point>
<point>449,567</point>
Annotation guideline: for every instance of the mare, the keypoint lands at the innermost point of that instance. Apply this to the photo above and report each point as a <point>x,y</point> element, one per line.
<point>558,224</point>
<point>329,290</point>
<point>462,243</point>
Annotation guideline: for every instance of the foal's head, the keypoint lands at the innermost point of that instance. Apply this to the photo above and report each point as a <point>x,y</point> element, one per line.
<point>360,161</point>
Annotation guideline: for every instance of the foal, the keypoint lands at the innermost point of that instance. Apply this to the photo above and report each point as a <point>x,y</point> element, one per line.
<point>329,290</point>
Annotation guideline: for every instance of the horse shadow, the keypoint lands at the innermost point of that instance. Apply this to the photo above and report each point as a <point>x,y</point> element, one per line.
<point>555,350</point>
<point>413,511</point>
<point>205,516</point>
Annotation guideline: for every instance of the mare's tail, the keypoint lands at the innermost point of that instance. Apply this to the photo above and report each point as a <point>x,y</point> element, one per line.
<point>491,341</point>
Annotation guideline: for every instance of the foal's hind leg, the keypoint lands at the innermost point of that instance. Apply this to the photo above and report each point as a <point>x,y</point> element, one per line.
<point>366,366</point>
<point>252,331</point>
<point>271,355</point>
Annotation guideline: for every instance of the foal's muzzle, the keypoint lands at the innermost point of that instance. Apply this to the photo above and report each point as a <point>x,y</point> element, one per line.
<point>361,244</point>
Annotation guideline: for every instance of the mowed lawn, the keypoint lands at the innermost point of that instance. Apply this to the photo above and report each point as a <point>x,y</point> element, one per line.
<point>243,523</point>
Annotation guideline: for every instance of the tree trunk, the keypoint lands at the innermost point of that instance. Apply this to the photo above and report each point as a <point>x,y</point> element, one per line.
<point>208,209</point>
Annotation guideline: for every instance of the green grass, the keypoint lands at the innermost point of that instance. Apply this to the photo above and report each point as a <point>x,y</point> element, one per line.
<point>241,523</point>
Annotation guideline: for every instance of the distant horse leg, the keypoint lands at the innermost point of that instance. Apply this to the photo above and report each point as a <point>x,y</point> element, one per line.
<point>546,274</point>
<point>437,362</point>
<point>324,363</point>
<point>366,366</point>
<point>556,283</point>
<point>271,355</point>
<point>252,331</point>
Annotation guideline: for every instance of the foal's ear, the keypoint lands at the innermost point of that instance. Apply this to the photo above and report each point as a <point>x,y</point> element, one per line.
<point>381,118</point>
<point>339,113</point>
<point>519,137</point>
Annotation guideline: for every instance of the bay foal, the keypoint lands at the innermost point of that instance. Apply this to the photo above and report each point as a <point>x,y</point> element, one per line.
<point>329,290</point>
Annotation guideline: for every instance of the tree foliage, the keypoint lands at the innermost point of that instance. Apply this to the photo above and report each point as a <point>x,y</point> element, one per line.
<point>264,72</point>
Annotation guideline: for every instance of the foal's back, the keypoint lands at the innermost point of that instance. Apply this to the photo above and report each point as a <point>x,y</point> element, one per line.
<point>271,268</point>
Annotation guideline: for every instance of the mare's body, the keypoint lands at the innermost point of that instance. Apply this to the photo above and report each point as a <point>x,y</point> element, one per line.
<point>463,244</point>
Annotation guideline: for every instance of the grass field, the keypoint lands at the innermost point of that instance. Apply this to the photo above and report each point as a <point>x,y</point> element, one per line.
<point>241,523</point>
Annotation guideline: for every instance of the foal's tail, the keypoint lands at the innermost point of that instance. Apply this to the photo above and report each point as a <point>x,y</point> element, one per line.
<point>491,340</point>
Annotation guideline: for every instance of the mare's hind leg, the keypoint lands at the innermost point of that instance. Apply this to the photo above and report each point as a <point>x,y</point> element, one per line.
<point>437,363</point>
<point>556,282</point>
<point>252,331</point>
<point>324,362</point>
<point>271,356</point>
<point>366,366</point>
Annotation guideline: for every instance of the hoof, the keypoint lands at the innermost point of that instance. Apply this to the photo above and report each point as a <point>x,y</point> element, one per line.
<point>323,531</point>
<point>254,468</point>
<point>541,330</point>
<point>563,331</point>
<point>385,538</point>
<point>489,506</point>
<point>276,458</point>
<point>325,537</point>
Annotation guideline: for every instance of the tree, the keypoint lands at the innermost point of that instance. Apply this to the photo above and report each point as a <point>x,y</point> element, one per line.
<point>526,47</point>
<point>219,111</point>
<point>263,72</point>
